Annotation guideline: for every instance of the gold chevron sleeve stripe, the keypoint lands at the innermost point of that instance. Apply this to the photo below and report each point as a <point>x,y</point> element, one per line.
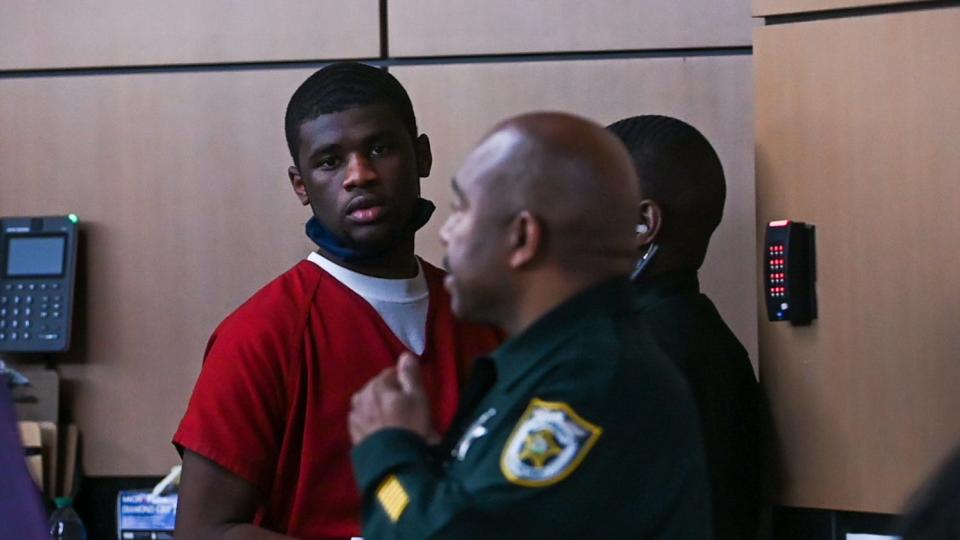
<point>393,498</point>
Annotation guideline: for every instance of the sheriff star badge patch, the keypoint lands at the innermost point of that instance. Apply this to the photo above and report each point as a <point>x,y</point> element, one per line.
<point>547,445</point>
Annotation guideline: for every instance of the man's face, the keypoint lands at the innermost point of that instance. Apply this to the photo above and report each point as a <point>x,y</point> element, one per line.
<point>360,172</point>
<point>475,248</point>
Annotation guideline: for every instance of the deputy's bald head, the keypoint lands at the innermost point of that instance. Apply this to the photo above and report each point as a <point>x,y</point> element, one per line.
<point>572,175</point>
<point>543,209</point>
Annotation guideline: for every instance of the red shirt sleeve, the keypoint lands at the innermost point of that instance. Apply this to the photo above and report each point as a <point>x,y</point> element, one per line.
<point>236,413</point>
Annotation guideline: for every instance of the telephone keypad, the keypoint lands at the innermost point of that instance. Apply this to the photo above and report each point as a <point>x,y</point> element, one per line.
<point>18,316</point>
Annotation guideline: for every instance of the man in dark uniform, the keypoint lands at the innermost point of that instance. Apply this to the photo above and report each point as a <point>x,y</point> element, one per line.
<point>576,426</point>
<point>682,192</point>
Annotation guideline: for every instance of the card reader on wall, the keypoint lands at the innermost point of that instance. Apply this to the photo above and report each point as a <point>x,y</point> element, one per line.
<point>38,261</point>
<point>789,272</point>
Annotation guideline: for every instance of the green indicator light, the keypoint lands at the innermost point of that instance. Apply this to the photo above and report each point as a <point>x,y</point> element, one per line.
<point>73,218</point>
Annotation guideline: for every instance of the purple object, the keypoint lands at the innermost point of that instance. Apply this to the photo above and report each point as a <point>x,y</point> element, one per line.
<point>21,512</point>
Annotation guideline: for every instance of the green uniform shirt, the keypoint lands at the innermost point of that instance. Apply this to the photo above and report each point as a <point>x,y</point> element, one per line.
<point>586,430</point>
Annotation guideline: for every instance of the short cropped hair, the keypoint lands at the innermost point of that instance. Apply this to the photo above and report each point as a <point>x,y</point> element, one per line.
<point>679,169</point>
<point>341,86</point>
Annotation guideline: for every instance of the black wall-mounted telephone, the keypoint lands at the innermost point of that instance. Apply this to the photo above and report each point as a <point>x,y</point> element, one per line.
<point>38,261</point>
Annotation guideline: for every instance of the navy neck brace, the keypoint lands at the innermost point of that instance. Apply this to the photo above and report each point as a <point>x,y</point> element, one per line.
<point>330,243</point>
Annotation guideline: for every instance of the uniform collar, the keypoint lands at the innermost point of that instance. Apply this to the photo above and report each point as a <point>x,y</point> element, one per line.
<point>523,352</point>
<point>655,289</point>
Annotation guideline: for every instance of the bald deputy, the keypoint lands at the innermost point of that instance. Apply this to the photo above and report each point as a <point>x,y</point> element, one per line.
<point>576,426</point>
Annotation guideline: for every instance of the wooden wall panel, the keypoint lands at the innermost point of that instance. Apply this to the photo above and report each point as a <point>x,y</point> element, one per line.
<point>763,8</point>
<point>181,187</point>
<point>456,27</point>
<point>457,104</point>
<point>85,33</point>
<point>856,132</point>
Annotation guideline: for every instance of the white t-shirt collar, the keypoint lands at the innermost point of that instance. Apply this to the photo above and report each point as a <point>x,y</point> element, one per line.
<point>373,288</point>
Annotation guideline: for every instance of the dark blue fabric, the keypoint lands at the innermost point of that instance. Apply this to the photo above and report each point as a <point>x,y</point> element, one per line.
<point>21,514</point>
<point>333,245</point>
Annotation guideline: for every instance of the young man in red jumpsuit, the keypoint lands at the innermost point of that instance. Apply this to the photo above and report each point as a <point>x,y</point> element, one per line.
<point>264,439</point>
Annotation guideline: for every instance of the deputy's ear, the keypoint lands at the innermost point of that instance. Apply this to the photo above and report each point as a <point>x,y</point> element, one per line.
<point>649,223</point>
<point>525,237</point>
<point>298,186</point>
<point>424,155</point>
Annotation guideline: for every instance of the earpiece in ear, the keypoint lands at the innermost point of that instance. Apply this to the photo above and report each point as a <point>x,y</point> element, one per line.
<point>642,228</point>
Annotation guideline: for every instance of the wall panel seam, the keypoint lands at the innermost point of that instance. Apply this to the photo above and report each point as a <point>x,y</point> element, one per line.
<point>382,62</point>
<point>861,11</point>
<point>384,30</point>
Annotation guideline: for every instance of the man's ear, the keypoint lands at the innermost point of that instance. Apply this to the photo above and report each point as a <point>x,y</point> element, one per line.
<point>649,223</point>
<point>298,186</point>
<point>525,238</point>
<point>424,155</point>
